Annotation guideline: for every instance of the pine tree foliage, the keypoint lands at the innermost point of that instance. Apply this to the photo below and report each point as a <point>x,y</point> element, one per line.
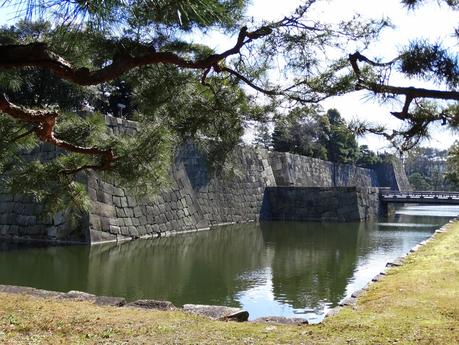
<point>309,132</point>
<point>418,59</point>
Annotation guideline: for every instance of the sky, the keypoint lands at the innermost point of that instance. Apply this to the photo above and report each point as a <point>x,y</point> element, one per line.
<point>429,21</point>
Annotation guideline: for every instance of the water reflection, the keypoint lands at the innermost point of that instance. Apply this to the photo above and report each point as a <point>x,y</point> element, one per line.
<point>311,262</point>
<point>285,269</point>
<point>201,268</point>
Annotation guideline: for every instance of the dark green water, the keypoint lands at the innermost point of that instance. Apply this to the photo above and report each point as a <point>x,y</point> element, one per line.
<point>285,269</point>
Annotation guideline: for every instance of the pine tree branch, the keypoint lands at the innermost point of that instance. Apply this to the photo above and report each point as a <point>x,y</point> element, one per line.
<point>44,124</point>
<point>23,135</point>
<point>247,81</point>
<point>39,55</point>
<point>410,92</point>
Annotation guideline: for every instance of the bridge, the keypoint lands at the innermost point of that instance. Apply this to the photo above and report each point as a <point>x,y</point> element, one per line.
<point>427,197</point>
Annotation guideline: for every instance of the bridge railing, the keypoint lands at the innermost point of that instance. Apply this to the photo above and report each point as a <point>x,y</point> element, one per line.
<point>392,194</point>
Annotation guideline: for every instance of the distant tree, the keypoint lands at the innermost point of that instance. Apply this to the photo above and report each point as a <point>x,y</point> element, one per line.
<point>301,132</point>
<point>308,132</point>
<point>367,158</point>
<point>263,137</point>
<point>281,137</point>
<point>341,142</point>
<point>430,163</point>
<point>419,181</point>
<point>120,99</point>
<point>452,165</point>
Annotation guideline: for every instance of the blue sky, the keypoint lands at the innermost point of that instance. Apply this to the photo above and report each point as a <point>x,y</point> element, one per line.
<point>431,22</point>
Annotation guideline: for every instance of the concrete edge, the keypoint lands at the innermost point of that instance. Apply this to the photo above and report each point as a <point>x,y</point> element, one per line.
<point>121,239</point>
<point>20,239</point>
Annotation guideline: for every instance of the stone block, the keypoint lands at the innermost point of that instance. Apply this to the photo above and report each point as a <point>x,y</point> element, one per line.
<point>105,224</point>
<point>142,230</point>
<point>6,207</point>
<point>117,201</point>
<point>103,210</point>
<point>120,213</point>
<point>125,231</point>
<point>35,230</point>
<point>92,193</point>
<point>124,202</point>
<point>118,192</point>
<point>115,229</point>
<point>132,202</point>
<point>137,211</point>
<point>4,229</point>
<point>101,236</point>
<point>133,231</point>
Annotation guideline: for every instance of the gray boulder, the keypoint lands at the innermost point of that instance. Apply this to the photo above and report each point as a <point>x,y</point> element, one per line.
<point>218,312</point>
<point>151,304</point>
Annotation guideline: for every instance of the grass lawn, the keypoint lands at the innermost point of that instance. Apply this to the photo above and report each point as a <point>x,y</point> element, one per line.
<point>417,303</point>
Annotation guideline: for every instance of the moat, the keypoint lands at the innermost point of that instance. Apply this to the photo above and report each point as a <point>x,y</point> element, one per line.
<point>283,269</point>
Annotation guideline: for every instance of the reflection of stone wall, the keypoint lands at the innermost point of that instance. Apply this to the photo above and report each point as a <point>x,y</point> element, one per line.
<point>312,264</point>
<point>341,204</point>
<point>180,268</point>
<point>196,198</point>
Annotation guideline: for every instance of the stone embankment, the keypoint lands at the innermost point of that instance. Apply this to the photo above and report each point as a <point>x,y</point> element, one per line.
<point>338,204</point>
<point>220,313</point>
<point>196,198</point>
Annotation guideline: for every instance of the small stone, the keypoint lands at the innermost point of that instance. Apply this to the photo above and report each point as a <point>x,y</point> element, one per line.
<point>357,293</point>
<point>348,302</point>
<point>152,304</point>
<point>218,312</point>
<point>80,296</point>
<point>110,301</point>
<point>377,278</point>
<point>282,320</point>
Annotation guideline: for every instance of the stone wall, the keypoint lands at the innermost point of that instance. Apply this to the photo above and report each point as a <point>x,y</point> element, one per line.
<point>393,175</point>
<point>22,217</point>
<point>295,170</point>
<point>196,198</point>
<point>336,204</point>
